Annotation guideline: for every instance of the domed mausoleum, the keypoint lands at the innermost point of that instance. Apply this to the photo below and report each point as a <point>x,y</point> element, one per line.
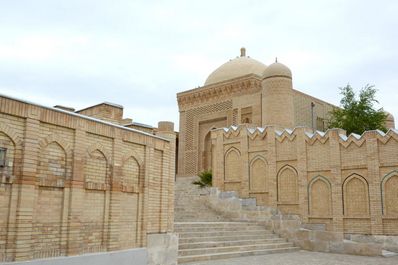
<point>243,90</point>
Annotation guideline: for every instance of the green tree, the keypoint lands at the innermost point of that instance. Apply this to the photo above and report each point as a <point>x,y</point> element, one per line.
<point>357,115</point>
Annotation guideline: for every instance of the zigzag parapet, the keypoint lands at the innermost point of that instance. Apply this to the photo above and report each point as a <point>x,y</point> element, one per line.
<point>311,135</point>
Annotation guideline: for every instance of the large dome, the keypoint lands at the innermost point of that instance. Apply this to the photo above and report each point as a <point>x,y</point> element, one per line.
<point>237,67</point>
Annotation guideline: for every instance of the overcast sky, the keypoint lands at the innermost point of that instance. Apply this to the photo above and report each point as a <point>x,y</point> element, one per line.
<point>141,53</point>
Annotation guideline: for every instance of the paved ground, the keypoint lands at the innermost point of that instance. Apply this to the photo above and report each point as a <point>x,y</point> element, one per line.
<point>303,258</point>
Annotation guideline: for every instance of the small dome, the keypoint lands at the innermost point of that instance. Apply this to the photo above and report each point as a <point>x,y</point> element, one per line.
<point>277,69</point>
<point>389,117</point>
<point>237,67</point>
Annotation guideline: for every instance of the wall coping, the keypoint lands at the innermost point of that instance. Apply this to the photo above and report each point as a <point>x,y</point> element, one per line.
<point>83,117</point>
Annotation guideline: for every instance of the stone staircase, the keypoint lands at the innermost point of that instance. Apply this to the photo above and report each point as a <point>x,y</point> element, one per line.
<point>189,203</point>
<point>206,235</point>
<point>199,241</point>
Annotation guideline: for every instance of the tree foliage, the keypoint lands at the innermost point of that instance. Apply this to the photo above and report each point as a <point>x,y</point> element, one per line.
<point>358,115</point>
<point>205,179</point>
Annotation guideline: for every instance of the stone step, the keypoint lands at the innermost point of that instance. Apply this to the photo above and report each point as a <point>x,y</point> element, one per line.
<point>180,206</point>
<point>219,229</point>
<point>226,255</point>
<point>191,209</point>
<point>189,193</point>
<point>225,233</point>
<point>388,254</point>
<point>225,238</point>
<point>215,225</point>
<point>182,218</point>
<point>230,243</point>
<point>196,213</point>
<point>205,235</point>
<point>222,223</point>
<point>211,250</point>
<point>202,218</point>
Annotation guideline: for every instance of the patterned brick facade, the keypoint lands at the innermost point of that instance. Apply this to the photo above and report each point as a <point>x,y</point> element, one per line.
<point>348,183</point>
<point>72,184</point>
<point>247,98</point>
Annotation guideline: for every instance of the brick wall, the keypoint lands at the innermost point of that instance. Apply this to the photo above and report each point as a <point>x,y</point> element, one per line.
<point>72,184</point>
<point>350,184</point>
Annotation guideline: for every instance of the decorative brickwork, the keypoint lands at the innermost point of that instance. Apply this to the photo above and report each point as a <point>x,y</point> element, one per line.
<point>191,132</point>
<point>288,189</point>
<point>287,185</point>
<point>47,226</point>
<point>71,184</point>
<point>96,170</point>
<point>258,174</point>
<point>356,199</point>
<point>390,194</point>
<point>8,157</point>
<point>232,165</point>
<point>131,174</point>
<point>320,198</point>
<point>327,178</point>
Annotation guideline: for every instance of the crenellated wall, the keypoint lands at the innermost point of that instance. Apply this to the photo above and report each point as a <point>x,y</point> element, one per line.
<point>350,184</point>
<point>72,184</point>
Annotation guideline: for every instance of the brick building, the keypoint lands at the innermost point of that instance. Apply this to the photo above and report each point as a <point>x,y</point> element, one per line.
<point>243,90</point>
<point>81,182</point>
<point>264,140</point>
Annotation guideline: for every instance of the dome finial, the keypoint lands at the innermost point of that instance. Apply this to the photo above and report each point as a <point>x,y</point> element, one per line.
<point>243,52</point>
<point>276,59</point>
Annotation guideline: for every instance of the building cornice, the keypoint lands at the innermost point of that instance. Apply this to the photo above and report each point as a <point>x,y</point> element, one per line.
<point>222,90</point>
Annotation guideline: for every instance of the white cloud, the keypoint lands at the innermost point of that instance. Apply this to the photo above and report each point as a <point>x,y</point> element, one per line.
<point>140,54</point>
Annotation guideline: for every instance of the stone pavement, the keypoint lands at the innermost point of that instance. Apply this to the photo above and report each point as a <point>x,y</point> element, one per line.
<point>303,258</point>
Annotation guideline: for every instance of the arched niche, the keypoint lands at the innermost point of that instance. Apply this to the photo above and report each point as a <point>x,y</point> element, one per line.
<point>356,196</point>
<point>287,185</point>
<point>258,174</point>
<point>233,169</point>
<point>96,167</point>
<point>389,192</point>
<point>52,164</point>
<point>131,172</point>
<point>320,197</point>
<point>7,154</point>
